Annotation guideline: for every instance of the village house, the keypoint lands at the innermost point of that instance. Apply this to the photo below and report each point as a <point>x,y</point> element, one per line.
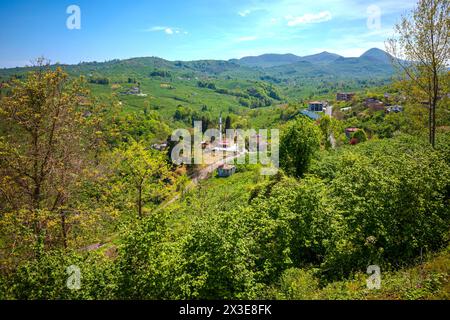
<point>344,96</point>
<point>395,109</point>
<point>374,104</point>
<point>160,147</point>
<point>133,91</point>
<point>312,115</point>
<point>317,106</point>
<point>350,131</point>
<point>225,170</point>
<point>225,146</point>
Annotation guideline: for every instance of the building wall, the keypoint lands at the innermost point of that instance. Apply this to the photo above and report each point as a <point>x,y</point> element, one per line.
<point>344,96</point>
<point>317,107</point>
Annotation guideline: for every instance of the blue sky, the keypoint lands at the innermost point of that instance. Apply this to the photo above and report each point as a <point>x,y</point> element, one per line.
<point>192,29</point>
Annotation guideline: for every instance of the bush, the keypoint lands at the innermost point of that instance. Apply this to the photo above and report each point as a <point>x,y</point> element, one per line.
<point>390,204</point>
<point>360,136</point>
<point>298,284</point>
<point>46,278</point>
<point>216,259</point>
<point>148,261</point>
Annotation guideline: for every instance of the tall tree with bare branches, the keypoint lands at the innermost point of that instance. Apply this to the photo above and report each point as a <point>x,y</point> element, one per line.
<point>421,50</point>
<point>42,153</point>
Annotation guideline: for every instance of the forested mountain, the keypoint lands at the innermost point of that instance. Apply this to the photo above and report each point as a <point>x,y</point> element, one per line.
<point>373,63</point>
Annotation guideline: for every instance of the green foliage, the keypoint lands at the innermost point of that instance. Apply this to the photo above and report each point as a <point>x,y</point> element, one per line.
<point>142,173</point>
<point>161,73</point>
<point>103,81</point>
<point>46,278</point>
<point>217,261</point>
<point>204,84</point>
<point>428,280</point>
<point>298,284</point>
<point>390,203</point>
<point>360,136</point>
<point>148,262</point>
<point>299,142</point>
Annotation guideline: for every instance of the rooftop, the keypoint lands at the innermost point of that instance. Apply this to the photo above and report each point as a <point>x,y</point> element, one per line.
<point>316,102</point>
<point>310,114</point>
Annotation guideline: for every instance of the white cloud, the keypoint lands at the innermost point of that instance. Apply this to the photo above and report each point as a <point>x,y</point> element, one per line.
<point>309,18</point>
<point>166,30</point>
<point>157,28</point>
<point>244,13</point>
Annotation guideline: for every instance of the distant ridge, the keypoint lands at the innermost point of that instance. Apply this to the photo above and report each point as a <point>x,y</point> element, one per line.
<point>274,60</point>
<point>268,60</point>
<point>276,68</point>
<point>324,57</point>
<point>377,54</point>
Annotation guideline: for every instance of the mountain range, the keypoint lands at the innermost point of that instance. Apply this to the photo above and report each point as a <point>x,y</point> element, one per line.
<point>277,68</point>
<point>374,55</point>
<point>374,63</point>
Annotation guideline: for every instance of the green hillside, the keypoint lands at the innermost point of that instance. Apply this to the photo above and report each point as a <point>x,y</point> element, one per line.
<point>181,92</point>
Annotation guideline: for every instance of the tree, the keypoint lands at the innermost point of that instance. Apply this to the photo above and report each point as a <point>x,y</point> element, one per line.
<point>300,140</point>
<point>330,129</point>
<point>421,50</point>
<point>228,123</point>
<point>43,151</point>
<point>143,170</point>
<point>206,122</point>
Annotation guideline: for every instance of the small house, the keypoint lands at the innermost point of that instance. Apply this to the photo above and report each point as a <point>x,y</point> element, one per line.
<point>317,106</point>
<point>344,96</point>
<point>160,147</point>
<point>395,109</point>
<point>312,115</point>
<point>374,104</point>
<point>135,90</point>
<point>225,170</point>
<point>225,146</point>
<point>350,131</point>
